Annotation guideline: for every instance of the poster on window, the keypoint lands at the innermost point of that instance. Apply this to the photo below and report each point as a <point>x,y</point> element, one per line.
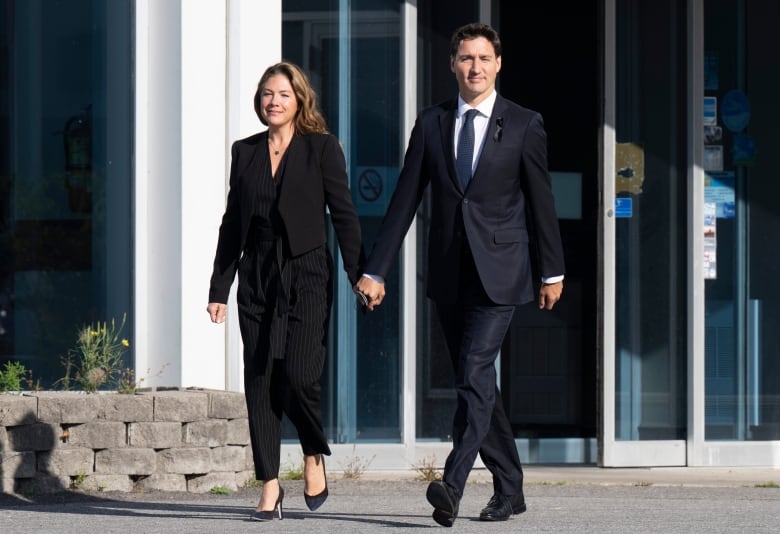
<point>719,189</point>
<point>710,241</point>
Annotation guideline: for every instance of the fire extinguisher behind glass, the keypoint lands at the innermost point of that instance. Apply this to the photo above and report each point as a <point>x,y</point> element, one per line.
<point>78,161</point>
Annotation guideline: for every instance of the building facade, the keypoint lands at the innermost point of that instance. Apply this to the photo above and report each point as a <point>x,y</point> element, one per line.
<point>116,124</point>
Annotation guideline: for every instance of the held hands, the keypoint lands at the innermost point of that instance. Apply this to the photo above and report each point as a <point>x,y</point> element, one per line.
<point>549,294</point>
<point>217,312</point>
<point>373,290</point>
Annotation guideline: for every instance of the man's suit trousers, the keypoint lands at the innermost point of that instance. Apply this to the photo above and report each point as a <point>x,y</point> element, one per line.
<point>475,329</point>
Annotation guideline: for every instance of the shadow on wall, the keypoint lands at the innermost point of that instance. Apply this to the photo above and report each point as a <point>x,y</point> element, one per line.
<point>34,464</point>
<point>27,448</point>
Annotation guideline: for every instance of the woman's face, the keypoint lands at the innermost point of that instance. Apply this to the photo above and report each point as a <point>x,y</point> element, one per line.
<point>278,104</point>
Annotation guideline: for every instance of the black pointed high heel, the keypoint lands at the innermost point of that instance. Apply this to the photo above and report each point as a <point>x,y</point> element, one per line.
<point>269,515</point>
<point>315,501</point>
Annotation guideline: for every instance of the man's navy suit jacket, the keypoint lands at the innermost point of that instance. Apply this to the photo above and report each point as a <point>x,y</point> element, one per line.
<point>507,207</point>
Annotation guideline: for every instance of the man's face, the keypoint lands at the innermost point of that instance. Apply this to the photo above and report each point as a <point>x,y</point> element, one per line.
<point>475,66</point>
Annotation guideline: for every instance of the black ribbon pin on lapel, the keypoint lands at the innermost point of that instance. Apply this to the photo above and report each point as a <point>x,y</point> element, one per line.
<point>499,127</point>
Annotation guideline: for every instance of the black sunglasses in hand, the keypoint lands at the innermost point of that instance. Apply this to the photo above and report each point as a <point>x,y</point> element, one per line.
<point>362,299</point>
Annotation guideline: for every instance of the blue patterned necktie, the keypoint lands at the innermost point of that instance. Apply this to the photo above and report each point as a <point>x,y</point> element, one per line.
<point>465,155</point>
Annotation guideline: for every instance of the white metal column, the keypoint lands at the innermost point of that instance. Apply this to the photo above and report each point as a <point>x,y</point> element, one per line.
<point>408,305</point>
<point>695,437</point>
<point>607,230</point>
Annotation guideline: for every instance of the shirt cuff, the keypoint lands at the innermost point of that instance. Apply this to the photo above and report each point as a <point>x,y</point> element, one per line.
<point>551,280</point>
<point>377,278</point>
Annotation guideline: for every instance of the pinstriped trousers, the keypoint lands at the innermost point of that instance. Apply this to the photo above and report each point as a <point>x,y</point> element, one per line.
<point>289,385</point>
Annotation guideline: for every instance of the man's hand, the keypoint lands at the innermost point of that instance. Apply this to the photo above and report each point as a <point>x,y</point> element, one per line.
<point>549,294</point>
<point>371,289</point>
<point>217,312</point>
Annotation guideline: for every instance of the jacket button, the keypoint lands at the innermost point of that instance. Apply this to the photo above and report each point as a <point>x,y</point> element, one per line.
<point>465,201</point>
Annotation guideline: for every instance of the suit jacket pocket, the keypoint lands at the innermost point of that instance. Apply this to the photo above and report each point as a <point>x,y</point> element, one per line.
<point>510,235</point>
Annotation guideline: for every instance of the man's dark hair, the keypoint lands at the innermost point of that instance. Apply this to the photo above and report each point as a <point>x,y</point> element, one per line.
<point>472,31</point>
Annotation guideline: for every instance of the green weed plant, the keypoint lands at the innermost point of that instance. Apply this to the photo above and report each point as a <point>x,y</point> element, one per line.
<point>95,361</point>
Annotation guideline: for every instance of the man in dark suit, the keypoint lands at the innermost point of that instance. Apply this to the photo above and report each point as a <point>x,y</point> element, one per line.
<point>486,160</point>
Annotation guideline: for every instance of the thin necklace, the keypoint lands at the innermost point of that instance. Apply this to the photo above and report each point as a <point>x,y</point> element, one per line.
<point>278,149</point>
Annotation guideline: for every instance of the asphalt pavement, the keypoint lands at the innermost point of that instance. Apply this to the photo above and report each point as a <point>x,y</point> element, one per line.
<point>560,499</point>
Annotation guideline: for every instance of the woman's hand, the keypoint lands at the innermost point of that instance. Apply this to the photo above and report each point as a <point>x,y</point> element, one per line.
<point>217,312</point>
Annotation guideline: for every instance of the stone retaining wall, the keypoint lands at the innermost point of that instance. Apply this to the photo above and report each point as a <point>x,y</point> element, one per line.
<point>173,440</point>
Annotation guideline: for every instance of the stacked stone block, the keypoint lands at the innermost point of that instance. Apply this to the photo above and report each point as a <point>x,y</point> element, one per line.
<point>172,440</point>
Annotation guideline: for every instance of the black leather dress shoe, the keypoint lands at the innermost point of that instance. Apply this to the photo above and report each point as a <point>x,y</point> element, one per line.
<point>444,502</point>
<point>499,508</point>
<point>517,500</point>
<point>518,503</point>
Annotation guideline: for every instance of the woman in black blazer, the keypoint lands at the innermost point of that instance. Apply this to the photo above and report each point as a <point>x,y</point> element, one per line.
<point>273,233</point>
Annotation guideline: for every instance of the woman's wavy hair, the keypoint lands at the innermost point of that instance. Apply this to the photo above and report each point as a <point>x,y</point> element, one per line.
<point>308,119</point>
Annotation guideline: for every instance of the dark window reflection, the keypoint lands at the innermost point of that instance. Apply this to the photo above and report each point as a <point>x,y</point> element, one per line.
<point>65,182</point>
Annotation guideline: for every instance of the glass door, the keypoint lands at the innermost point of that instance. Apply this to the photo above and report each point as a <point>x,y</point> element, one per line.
<point>738,392</point>
<point>644,270</point>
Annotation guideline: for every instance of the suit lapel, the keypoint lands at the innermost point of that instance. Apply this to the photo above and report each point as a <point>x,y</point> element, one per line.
<point>447,128</point>
<point>251,174</point>
<point>493,137</point>
<point>293,169</point>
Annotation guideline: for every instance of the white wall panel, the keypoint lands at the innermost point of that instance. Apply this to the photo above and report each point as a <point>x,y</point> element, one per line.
<point>197,65</point>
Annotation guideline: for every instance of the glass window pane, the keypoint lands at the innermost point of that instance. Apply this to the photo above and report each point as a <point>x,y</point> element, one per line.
<point>651,226</point>
<point>351,53</point>
<point>65,176</point>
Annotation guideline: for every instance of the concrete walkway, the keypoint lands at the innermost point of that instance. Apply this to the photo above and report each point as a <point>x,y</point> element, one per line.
<point>560,499</point>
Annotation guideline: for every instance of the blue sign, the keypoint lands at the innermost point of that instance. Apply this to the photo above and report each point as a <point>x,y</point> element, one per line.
<point>735,110</point>
<point>710,111</point>
<point>623,207</point>
<point>744,150</point>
